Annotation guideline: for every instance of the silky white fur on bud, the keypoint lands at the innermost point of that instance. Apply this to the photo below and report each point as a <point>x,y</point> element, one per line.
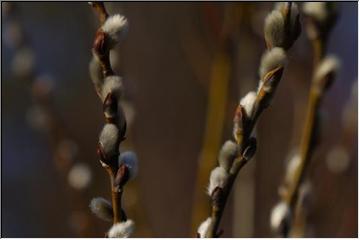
<point>292,166</point>
<point>279,215</point>
<point>218,178</point>
<point>102,208</point>
<point>316,10</point>
<point>227,155</point>
<point>130,160</point>
<point>122,229</point>
<point>108,138</point>
<point>275,32</point>
<point>274,28</point>
<point>248,102</point>
<point>272,59</point>
<point>112,84</point>
<point>203,228</point>
<point>115,26</point>
<point>327,65</point>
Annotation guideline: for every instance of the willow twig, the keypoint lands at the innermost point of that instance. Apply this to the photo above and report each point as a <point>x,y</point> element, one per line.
<point>234,155</point>
<point>325,68</point>
<point>109,87</point>
<point>220,76</point>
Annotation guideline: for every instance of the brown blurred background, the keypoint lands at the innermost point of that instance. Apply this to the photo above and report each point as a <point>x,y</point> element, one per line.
<point>177,60</point>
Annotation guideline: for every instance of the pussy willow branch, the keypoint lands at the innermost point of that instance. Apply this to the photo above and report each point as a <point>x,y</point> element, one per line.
<point>309,138</point>
<point>221,197</point>
<point>56,132</point>
<point>217,95</point>
<point>112,113</point>
<point>245,120</point>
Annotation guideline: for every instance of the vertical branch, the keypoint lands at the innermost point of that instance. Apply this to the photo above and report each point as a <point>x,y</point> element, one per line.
<point>235,154</point>
<point>318,28</point>
<point>109,87</point>
<point>215,114</point>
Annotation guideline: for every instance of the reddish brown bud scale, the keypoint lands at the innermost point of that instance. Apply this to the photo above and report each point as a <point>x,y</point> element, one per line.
<point>110,108</point>
<point>272,78</point>
<point>239,122</point>
<point>122,176</point>
<point>100,9</point>
<point>238,114</point>
<point>217,196</point>
<point>100,152</point>
<point>250,149</point>
<point>99,42</point>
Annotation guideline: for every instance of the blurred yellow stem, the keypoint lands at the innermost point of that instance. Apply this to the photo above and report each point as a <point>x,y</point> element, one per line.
<point>217,96</point>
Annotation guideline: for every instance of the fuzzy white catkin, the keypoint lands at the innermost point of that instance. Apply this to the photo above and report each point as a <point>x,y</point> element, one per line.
<point>203,228</point>
<point>218,178</point>
<point>79,176</point>
<point>108,138</point>
<point>101,208</point>
<point>112,84</point>
<point>276,57</point>
<point>248,102</point>
<point>130,160</point>
<point>274,28</point>
<point>116,26</point>
<point>122,229</point>
<point>292,166</point>
<point>326,66</point>
<point>316,10</point>
<point>279,214</point>
<point>227,155</point>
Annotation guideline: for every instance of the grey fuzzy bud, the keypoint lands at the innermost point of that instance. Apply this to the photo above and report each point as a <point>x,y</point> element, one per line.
<point>227,155</point>
<point>102,208</point>
<point>322,16</point>
<point>282,26</point>
<point>112,84</point>
<point>319,11</point>
<point>218,177</point>
<point>122,229</point>
<point>325,72</point>
<point>280,217</point>
<point>116,27</point>
<point>274,29</point>
<point>248,102</point>
<point>130,160</point>
<point>108,139</point>
<point>204,227</point>
<point>271,60</point>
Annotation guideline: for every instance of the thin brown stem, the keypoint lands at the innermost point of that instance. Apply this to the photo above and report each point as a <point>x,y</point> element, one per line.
<point>101,49</point>
<point>99,7</point>
<point>319,49</point>
<point>309,133</point>
<point>307,146</point>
